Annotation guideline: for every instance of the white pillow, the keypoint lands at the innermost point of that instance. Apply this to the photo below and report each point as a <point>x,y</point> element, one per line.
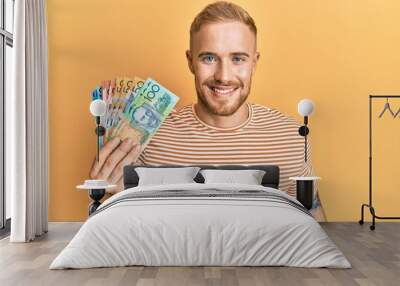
<point>248,177</point>
<point>162,176</point>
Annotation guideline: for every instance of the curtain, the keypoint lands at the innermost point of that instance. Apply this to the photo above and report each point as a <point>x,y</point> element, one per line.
<point>27,122</point>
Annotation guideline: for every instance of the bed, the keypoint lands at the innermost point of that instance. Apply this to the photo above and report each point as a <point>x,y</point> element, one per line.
<point>199,224</point>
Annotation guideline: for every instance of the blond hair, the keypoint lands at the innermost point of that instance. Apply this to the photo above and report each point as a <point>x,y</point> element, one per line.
<point>222,11</point>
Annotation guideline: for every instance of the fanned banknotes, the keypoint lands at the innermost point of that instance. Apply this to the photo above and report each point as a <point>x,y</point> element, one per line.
<point>135,108</point>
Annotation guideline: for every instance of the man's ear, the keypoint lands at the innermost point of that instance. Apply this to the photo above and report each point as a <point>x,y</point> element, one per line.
<point>255,59</point>
<point>189,58</point>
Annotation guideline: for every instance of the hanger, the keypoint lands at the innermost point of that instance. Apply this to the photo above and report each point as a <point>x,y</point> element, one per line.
<point>387,107</point>
<point>397,113</point>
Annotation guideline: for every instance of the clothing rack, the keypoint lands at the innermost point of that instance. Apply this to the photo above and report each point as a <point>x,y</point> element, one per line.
<point>370,205</point>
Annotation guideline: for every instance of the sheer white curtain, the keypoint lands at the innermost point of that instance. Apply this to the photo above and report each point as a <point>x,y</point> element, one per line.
<point>27,122</point>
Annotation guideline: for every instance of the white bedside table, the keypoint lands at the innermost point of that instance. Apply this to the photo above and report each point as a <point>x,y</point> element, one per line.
<point>97,190</point>
<point>305,190</point>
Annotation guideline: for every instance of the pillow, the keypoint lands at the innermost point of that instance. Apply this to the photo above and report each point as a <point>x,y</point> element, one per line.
<point>248,177</point>
<point>162,176</point>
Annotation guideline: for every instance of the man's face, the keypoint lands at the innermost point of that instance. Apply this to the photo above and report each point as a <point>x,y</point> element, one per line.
<point>223,58</point>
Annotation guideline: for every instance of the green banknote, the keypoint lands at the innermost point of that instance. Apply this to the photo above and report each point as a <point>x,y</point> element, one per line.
<point>143,116</point>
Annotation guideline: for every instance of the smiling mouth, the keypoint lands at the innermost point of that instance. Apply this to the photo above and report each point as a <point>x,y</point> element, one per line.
<point>226,91</point>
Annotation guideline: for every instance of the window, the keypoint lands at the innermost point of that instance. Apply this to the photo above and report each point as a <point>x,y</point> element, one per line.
<point>6,62</point>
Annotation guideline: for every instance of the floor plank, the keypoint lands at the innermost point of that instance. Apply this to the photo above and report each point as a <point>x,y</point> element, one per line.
<point>374,255</point>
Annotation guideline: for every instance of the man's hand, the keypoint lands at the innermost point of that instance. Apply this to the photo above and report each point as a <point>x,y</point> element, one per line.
<point>112,158</point>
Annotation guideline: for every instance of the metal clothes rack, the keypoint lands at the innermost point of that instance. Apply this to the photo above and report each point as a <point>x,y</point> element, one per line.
<point>370,205</point>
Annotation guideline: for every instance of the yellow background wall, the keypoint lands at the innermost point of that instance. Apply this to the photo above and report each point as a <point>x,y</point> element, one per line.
<point>333,52</point>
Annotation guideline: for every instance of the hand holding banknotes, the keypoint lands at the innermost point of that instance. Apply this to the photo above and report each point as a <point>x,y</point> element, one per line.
<point>135,110</point>
<point>114,155</point>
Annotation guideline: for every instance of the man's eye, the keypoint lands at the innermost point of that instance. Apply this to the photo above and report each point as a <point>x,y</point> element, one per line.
<point>209,59</point>
<point>238,59</point>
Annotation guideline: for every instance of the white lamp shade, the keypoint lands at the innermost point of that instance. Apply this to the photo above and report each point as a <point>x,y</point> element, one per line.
<point>98,107</point>
<point>305,107</point>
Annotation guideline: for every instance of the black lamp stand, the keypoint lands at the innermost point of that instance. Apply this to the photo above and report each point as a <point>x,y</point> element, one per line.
<point>369,205</point>
<point>96,195</point>
<point>100,131</point>
<point>303,131</point>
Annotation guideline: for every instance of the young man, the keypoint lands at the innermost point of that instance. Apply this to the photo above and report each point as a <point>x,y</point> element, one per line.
<point>222,127</point>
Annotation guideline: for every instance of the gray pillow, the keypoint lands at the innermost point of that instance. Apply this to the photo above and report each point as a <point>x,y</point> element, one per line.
<point>162,176</point>
<point>248,177</point>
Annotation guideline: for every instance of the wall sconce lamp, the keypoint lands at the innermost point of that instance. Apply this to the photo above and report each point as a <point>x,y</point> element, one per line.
<point>305,108</point>
<point>98,108</point>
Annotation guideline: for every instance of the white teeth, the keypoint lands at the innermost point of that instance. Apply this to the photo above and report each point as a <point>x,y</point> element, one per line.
<point>222,91</point>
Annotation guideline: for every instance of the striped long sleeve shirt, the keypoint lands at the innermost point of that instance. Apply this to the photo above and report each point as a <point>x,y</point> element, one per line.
<point>267,137</point>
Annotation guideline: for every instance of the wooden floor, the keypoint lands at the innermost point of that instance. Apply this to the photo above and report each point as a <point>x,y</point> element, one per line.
<point>375,257</point>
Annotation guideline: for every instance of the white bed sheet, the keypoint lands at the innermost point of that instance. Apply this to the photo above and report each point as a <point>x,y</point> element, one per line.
<point>200,231</point>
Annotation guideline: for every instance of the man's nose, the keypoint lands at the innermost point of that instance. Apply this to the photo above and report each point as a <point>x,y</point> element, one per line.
<point>224,72</point>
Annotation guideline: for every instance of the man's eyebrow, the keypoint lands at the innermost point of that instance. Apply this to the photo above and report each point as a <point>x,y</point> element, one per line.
<point>213,54</point>
<point>241,54</point>
<point>206,54</point>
